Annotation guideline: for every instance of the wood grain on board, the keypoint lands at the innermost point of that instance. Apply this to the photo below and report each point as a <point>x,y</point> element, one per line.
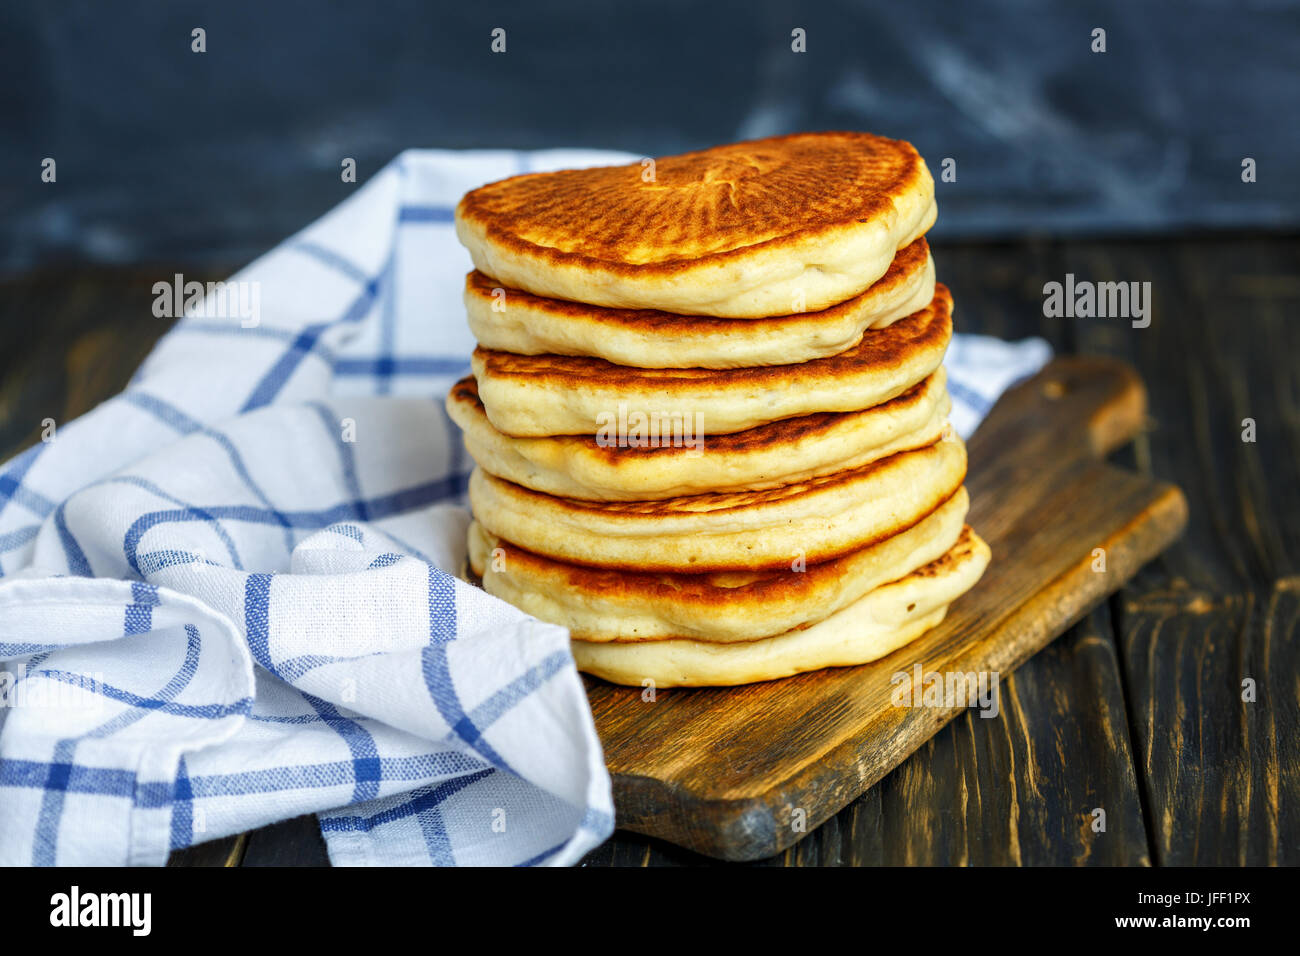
<point>1209,633</point>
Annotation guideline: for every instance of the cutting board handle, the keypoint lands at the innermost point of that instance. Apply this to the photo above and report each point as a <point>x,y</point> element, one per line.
<point>1078,408</point>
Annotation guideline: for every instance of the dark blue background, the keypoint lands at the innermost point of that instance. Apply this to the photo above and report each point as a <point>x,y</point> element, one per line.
<point>164,154</point>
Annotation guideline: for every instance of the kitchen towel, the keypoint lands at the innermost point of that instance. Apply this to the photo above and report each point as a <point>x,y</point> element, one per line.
<point>228,594</point>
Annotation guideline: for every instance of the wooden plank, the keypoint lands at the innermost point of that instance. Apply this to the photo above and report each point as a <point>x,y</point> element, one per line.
<point>1221,775</point>
<point>1221,771</point>
<point>726,771</point>
<point>1217,351</point>
<point>1008,791</point>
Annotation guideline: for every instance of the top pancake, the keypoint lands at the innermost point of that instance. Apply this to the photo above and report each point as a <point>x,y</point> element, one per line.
<point>761,228</point>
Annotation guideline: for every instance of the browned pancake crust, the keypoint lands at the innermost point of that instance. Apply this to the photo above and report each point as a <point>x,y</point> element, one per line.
<point>923,331</point>
<point>778,434</point>
<point>707,589</point>
<point>720,502</point>
<point>955,555</point>
<point>910,260</point>
<point>705,205</point>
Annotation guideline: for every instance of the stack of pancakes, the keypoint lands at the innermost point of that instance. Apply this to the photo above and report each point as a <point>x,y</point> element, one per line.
<point>709,411</point>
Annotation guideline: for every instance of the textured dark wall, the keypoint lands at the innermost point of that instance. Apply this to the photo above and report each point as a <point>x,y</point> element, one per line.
<point>165,154</point>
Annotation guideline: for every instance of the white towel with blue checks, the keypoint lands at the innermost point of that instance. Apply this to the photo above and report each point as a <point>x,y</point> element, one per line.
<point>228,595</point>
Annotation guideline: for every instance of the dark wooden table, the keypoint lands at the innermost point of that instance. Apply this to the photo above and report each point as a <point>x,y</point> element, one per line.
<point>1138,710</point>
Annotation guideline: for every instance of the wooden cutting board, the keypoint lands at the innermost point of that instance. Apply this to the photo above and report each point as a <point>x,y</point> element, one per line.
<point>742,773</point>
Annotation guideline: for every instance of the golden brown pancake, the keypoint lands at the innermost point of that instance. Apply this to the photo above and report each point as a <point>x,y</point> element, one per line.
<point>598,604</point>
<point>534,395</point>
<point>778,453</point>
<point>511,320</point>
<point>878,623</point>
<point>745,230</point>
<point>813,520</point>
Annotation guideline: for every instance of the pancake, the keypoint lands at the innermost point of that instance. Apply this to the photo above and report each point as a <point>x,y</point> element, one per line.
<point>815,520</point>
<point>877,624</point>
<point>510,320</point>
<point>601,605</point>
<point>779,453</point>
<point>738,231</point>
<point>537,395</point>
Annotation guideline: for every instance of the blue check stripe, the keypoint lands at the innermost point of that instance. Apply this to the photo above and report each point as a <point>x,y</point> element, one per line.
<point>33,775</point>
<point>365,756</point>
<point>139,613</point>
<point>45,846</point>
<point>11,484</point>
<point>333,426</point>
<point>167,695</point>
<point>417,800</point>
<point>58,774</point>
<point>431,365</point>
<point>597,821</point>
<point>505,699</point>
<point>427,806</point>
<point>307,343</point>
<point>22,649</point>
<point>257,618</point>
<point>544,855</point>
<point>387,331</point>
<point>13,540</point>
<point>426,214</point>
<point>186,425</point>
<point>294,668</point>
<point>437,673</point>
<point>336,261</point>
<point>348,531</point>
<point>968,396</point>
<point>442,607</point>
<point>231,327</point>
<point>329,774</point>
<point>213,523</point>
<point>151,562</point>
<point>593,821</point>
<point>10,489</point>
<point>169,707</point>
<point>182,825</point>
<point>406,499</point>
<point>455,488</point>
<point>285,366</point>
<point>76,558</point>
